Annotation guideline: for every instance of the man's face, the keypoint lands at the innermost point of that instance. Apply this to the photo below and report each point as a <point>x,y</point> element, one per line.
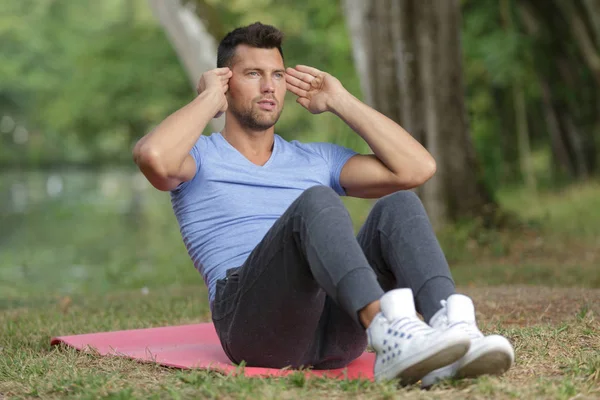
<point>257,87</point>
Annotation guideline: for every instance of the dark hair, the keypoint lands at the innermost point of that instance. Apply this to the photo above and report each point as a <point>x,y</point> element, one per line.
<point>254,35</point>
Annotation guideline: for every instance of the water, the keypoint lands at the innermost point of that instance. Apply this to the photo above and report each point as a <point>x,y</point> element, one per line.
<point>72,232</point>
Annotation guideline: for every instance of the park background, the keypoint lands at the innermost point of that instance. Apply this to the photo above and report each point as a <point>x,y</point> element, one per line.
<point>503,93</point>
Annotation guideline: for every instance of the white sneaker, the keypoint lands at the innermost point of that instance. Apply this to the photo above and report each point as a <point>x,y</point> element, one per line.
<point>407,348</point>
<point>488,355</point>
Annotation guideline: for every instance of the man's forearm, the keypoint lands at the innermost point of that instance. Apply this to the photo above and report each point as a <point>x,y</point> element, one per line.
<point>391,144</point>
<point>171,141</point>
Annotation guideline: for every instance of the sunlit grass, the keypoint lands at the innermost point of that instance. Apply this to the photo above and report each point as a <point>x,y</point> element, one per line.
<point>573,210</point>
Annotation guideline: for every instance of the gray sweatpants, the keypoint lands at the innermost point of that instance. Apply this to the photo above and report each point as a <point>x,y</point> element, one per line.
<point>295,301</point>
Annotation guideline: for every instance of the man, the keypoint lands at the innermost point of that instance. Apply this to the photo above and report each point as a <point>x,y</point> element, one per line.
<point>262,219</point>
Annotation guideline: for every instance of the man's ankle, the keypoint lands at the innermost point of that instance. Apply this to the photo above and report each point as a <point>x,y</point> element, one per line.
<point>368,313</point>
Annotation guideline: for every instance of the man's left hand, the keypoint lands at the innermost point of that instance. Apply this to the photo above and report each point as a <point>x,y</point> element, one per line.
<point>316,90</point>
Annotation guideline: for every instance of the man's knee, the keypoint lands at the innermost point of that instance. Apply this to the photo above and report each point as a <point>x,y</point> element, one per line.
<point>403,200</point>
<point>398,206</point>
<point>319,197</point>
<point>320,203</point>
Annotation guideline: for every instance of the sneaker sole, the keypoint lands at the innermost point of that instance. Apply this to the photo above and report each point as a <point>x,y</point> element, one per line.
<point>447,351</point>
<point>493,359</point>
<point>495,363</point>
<point>440,359</point>
<point>438,375</point>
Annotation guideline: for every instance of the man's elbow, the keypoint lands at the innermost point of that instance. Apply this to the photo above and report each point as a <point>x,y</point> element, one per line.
<point>428,170</point>
<point>418,176</point>
<point>150,163</point>
<point>149,159</point>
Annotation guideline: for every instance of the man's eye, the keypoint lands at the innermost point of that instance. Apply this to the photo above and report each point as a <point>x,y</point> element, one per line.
<point>253,73</point>
<point>279,75</point>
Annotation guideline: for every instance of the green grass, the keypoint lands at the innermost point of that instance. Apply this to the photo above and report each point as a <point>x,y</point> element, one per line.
<point>553,360</point>
<point>76,267</point>
<point>573,211</point>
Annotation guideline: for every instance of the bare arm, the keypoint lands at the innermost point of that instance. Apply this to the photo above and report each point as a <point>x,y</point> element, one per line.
<point>399,161</point>
<point>163,155</point>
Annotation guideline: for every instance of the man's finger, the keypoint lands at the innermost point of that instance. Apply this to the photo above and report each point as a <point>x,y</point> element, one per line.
<point>222,71</point>
<point>308,70</point>
<point>300,75</point>
<point>297,82</point>
<point>303,101</point>
<point>296,90</point>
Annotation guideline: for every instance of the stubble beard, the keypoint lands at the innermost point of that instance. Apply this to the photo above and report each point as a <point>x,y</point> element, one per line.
<point>254,119</point>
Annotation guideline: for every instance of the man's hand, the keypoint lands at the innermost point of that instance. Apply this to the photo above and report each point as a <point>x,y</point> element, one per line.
<point>217,81</point>
<point>315,89</point>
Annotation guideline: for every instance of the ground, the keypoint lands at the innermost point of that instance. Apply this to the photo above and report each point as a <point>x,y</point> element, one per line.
<point>555,332</point>
<point>538,286</point>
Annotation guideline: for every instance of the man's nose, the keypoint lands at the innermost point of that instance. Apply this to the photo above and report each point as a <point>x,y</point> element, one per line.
<point>267,85</point>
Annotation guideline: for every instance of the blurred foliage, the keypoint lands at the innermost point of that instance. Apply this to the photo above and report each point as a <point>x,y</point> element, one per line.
<point>81,81</point>
<point>492,64</point>
<point>83,78</point>
<point>86,79</point>
<point>502,54</point>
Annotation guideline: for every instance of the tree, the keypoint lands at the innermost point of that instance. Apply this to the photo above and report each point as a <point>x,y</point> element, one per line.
<point>415,75</point>
<point>84,88</point>
<point>195,46</point>
<point>566,32</point>
<point>532,89</point>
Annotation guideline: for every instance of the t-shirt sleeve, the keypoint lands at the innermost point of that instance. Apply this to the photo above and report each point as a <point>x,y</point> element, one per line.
<point>196,153</point>
<point>336,157</point>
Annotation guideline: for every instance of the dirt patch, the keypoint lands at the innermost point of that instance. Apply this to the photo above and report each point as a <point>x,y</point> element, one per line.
<point>522,305</point>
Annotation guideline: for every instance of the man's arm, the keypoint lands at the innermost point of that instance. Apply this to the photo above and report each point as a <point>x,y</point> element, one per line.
<point>399,161</point>
<point>163,155</point>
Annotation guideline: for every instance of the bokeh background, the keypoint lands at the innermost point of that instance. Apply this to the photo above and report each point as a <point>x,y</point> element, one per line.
<point>504,93</point>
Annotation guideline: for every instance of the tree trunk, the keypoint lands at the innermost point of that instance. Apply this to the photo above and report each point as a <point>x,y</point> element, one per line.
<point>383,67</point>
<point>573,137</point>
<point>466,194</point>
<point>415,78</point>
<point>592,9</point>
<point>355,12</point>
<point>559,148</point>
<point>523,138</point>
<point>404,38</point>
<point>582,38</point>
<point>195,47</point>
<point>564,137</point>
<point>520,110</point>
<point>433,191</point>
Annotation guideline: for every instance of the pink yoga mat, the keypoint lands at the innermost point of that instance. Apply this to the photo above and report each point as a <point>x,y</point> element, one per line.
<point>192,346</point>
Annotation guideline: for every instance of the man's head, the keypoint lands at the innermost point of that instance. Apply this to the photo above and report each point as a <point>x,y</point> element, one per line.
<point>257,87</point>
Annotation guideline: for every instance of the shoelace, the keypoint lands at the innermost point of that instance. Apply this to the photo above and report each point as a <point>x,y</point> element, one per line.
<point>408,326</point>
<point>472,330</point>
<point>469,328</point>
<point>400,330</point>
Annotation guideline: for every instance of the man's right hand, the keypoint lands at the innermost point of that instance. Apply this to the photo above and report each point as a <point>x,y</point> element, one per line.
<point>163,155</point>
<point>217,82</point>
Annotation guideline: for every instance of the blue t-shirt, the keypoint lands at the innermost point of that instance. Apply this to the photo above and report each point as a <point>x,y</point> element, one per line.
<point>230,204</point>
